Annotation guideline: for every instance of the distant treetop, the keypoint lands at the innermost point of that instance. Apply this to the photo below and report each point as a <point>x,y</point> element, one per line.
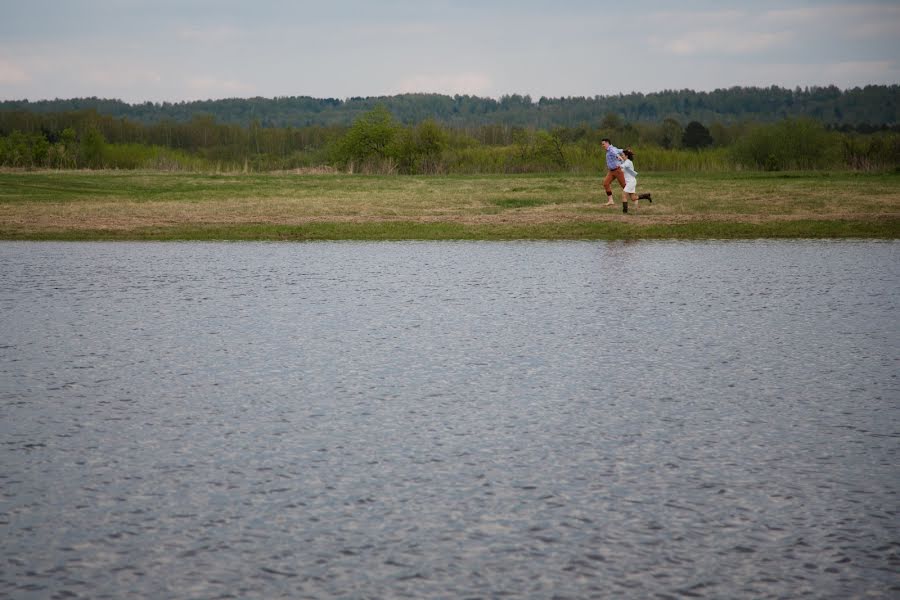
<point>873,105</point>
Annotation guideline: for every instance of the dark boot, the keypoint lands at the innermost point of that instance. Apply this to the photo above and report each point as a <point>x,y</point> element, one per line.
<point>625,206</point>
<point>645,197</point>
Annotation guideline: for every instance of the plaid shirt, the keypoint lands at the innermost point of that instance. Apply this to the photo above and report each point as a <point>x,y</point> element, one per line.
<point>612,157</point>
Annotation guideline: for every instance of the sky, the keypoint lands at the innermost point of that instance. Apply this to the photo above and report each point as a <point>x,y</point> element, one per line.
<point>177,50</point>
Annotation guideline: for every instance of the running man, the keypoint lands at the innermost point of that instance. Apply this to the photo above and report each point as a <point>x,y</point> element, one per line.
<point>614,159</point>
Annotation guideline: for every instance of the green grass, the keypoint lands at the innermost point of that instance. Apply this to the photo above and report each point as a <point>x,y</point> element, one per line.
<point>150,205</point>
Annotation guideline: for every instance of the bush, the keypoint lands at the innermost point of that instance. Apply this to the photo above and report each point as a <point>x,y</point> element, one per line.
<point>696,136</point>
<point>370,140</point>
<point>871,152</point>
<point>419,149</point>
<point>376,144</point>
<point>790,144</point>
<point>92,149</point>
<point>654,158</point>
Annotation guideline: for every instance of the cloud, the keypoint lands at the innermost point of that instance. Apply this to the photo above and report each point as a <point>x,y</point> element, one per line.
<point>725,42</point>
<point>698,19</point>
<point>879,28</point>
<point>864,71</point>
<point>715,32</point>
<point>389,30</point>
<point>855,20</point>
<point>121,76</point>
<point>208,35</point>
<point>802,15</point>
<point>212,87</point>
<point>737,32</point>
<point>844,74</point>
<point>204,49</point>
<point>462,83</point>
<point>844,12</point>
<point>11,74</point>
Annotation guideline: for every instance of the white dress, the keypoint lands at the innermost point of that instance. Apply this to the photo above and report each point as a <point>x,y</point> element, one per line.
<point>630,176</point>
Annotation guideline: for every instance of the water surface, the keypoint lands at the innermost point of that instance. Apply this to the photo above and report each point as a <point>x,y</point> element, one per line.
<point>441,420</point>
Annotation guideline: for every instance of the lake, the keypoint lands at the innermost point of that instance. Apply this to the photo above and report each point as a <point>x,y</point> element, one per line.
<point>450,419</point>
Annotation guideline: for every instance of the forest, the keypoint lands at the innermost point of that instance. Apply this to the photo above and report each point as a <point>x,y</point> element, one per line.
<point>870,106</point>
<point>767,129</point>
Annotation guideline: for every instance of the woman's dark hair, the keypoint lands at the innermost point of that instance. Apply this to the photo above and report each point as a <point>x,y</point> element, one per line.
<point>627,152</point>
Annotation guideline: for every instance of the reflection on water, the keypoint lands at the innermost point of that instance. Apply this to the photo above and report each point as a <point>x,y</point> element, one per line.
<point>449,420</point>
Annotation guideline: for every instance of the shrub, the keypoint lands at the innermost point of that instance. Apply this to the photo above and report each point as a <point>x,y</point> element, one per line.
<point>790,144</point>
<point>369,140</point>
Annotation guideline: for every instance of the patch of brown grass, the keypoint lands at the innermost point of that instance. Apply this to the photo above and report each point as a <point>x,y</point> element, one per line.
<point>289,199</point>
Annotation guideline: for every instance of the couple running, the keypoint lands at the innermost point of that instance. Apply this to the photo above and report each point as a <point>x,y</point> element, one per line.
<point>622,170</point>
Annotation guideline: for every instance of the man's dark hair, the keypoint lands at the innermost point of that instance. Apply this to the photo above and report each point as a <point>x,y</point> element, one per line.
<point>607,140</point>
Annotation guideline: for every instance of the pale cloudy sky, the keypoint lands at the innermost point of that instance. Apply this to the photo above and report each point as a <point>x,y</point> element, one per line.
<point>174,50</point>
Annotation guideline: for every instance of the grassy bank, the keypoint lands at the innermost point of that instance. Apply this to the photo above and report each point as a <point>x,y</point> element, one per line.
<point>128,205</point>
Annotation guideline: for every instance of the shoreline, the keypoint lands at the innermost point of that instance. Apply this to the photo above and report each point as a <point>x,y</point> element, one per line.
<point>329,231</point>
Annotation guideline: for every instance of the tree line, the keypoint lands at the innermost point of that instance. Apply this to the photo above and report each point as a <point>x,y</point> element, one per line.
<point>377,141</point>
<point>870,106</point>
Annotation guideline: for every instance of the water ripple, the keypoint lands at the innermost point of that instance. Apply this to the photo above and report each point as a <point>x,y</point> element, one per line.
<point>432,420</point>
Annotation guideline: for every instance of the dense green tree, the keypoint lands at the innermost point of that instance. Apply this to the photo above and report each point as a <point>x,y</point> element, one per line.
<point>93,146</point>
<point>789,144</point>
<point>17,150</point>
<point>550,148</point>
<point>419,149</point>
<point>430,142</point>
<point>612,123</point>
<point>370,138</point>
<point>672,133</point>
<point>379,142</point>
<point>696,136</point>
<point>26,150</point>
<point>875,104</point>
<point>40,150</point>
<point>721,135</point>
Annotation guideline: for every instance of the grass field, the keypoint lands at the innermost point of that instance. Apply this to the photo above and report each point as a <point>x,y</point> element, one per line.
<point>134,205</point>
